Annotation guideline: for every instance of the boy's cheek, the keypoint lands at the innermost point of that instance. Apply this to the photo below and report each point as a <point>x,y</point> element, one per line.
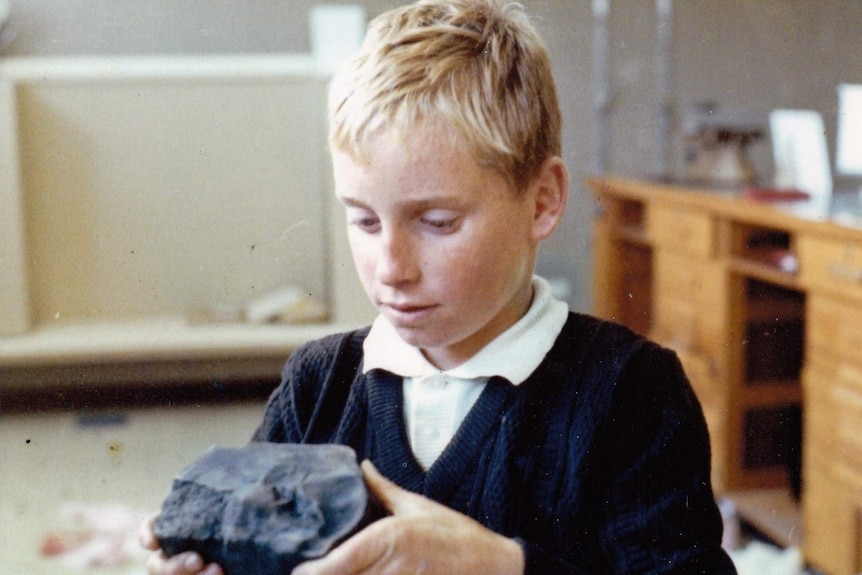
<point>365,271</point>
<point>362,260</point>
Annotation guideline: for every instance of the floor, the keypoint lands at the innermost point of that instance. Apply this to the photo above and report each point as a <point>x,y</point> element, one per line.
<point>115,467</point>
<point>67,476</point>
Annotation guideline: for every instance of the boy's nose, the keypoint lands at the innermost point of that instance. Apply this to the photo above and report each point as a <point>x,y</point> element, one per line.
<point>396,262</point>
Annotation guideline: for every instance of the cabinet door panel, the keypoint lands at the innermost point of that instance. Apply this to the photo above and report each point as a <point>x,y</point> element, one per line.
<point>819,431</point>
<point>836,327</point>
<point>847,401</point>
<point>830,522</point>
<point>832,500</point>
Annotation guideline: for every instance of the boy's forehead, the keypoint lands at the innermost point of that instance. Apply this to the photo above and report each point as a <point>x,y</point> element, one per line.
<point>434,135</point>
<point>416,169</point>
<point>413,132</point>
<point>395,147</point>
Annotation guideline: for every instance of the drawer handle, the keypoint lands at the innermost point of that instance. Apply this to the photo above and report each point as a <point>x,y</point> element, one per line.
<point>846,273</point>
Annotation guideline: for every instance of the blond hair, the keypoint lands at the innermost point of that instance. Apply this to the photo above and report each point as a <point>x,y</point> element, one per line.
<point>476,68</point>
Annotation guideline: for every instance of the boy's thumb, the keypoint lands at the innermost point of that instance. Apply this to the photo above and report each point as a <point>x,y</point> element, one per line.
<point>393,498</point>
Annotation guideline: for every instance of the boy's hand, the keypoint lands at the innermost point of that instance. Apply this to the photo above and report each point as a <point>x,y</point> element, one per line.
<point>181,564</point>
<point>421,536</point>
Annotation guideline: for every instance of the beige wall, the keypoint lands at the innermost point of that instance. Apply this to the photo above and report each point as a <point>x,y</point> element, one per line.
<point>755,54</point>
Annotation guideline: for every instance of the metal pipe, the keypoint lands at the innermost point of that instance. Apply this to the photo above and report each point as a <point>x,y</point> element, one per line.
<point>601,83</point>
<point>664,38</point>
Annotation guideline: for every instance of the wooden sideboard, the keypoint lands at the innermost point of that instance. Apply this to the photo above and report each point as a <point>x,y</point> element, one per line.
<point>763,304</point>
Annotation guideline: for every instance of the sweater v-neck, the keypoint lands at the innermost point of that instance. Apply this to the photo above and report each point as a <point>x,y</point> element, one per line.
<point>438,482</point>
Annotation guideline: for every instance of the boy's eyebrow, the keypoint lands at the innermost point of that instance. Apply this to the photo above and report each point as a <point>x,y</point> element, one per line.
<point>442,202</point>
<point>350,202</point>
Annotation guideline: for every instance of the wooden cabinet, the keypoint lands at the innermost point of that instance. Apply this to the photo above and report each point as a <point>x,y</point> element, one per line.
<point>763,304</point>
<point>833,435</point>
<point>676,270</point>
<point>831,270</point>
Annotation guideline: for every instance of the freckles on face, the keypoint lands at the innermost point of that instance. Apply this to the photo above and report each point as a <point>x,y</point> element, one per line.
<point>442,245</point>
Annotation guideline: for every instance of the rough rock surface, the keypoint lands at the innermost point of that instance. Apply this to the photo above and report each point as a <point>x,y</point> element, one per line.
<point>264,508</point>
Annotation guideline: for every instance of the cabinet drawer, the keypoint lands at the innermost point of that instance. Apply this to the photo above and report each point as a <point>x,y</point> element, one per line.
<point>689,306</point>
<point>702,373</point>
<point>833,416</point>
<point>831,524</point>
<point>835,326</point>
<point>681,229</point>
<point>718,442</point>
<point>680,276</point>
<point>831,264</point>
<point>847,404</point>
<point>819,422</point>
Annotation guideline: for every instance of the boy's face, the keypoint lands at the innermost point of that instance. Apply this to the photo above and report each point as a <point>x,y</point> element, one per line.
<point>444,248</point>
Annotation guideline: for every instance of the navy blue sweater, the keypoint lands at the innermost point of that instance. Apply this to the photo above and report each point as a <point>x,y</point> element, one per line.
<point>597,463</point>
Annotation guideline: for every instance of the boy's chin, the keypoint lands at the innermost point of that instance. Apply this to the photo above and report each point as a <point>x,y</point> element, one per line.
<point>421,338</point>
<point>438,349</point>
<point>415,337</point>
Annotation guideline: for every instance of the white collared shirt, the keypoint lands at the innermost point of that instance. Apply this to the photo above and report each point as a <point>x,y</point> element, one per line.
<point>436,402</point>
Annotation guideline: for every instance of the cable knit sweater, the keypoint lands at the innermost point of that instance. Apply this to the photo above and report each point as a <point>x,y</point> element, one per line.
<point>598,463</point>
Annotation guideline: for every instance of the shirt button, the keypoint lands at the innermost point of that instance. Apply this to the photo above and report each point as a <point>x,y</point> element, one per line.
<point>437,383</point>
<point>429,434</point>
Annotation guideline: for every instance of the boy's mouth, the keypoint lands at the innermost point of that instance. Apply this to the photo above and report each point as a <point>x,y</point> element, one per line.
<point>405,313</point>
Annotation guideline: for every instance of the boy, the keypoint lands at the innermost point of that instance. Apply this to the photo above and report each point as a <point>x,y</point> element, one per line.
<point>516,437</point>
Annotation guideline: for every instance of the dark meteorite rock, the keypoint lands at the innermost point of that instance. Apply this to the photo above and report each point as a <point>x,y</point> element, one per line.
<point>264,508</point>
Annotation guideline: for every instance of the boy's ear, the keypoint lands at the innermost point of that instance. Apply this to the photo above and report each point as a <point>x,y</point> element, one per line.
<point>550,194</point>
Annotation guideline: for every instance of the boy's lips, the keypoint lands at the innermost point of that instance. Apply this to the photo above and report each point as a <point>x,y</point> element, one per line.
<point>406,313</point>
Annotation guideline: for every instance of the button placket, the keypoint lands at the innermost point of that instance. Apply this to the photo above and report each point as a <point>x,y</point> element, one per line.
<point>432,417</point>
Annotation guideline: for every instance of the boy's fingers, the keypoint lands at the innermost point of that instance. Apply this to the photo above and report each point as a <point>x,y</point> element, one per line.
<point>349,557</point>
<point>145,534</point>
<point>212,569</point>
<point>188,563</point>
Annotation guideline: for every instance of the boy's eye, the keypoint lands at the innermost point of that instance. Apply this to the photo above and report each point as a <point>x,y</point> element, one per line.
<point>363,220</point>
<point>440,220</point>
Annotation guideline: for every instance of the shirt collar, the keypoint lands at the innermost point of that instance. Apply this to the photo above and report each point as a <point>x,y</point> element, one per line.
<point>514,354</point>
